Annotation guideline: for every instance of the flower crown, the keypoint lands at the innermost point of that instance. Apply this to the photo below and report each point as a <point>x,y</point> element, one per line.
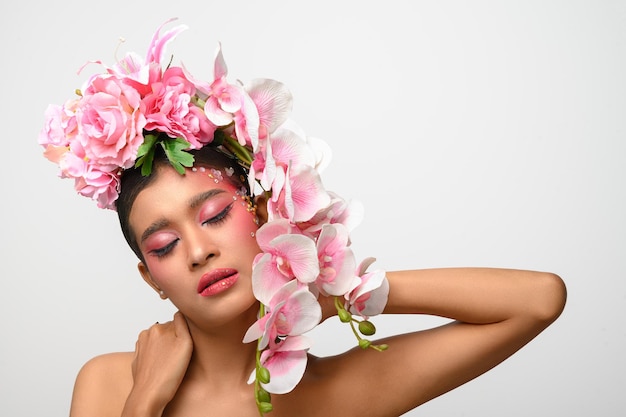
<point>121,116</point>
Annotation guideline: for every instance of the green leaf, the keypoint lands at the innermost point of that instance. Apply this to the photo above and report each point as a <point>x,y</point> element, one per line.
<point>145,154</point>
<point>176,154</point>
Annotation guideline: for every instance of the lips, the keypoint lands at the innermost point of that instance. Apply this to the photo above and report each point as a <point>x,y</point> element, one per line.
<point>217,281</point>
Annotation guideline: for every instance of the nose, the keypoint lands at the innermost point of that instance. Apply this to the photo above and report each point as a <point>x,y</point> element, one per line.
<point>201,248</point>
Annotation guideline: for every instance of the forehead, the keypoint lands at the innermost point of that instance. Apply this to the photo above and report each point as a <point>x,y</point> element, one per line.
<point>170,192</point>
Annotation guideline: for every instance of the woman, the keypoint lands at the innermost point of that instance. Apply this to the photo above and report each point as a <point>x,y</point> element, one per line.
<point>180,164</point>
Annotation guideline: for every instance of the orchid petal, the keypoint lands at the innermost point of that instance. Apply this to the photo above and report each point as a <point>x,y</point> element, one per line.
<point>220,70</point>
<point>273,101</point>
<point>301,254</point>
<point>286,369</point>
<point>307,194</point>
<point>266,279</point>
<point>271,230</point>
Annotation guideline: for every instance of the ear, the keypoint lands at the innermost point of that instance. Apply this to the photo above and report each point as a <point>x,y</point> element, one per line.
<point>261,208</point>
<point>145,274</point>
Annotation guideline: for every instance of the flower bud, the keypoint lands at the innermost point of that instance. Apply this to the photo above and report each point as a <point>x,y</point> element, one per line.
<point>344,316</point>
<point>364,343</point>
<point>384,346</point>
<point>367,328</point>
<point>263,375</point>
<point>263,396</point>
<point>265,407</point>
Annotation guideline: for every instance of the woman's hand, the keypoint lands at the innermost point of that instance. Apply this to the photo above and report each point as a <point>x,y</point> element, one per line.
<point>162,354</point>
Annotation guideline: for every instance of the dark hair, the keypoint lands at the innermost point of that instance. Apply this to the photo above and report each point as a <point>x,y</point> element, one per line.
<point>132,182</point>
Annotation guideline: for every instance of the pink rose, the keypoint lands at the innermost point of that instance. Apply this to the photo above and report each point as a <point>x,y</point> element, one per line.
<point>110,122</point>
<point>169,109</point>
<point>60,125</point>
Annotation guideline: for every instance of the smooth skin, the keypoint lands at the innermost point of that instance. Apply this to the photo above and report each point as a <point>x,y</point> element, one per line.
<point>196,364</point>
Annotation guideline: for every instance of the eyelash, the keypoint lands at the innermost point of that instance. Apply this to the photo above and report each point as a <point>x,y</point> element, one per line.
<point>220,217</point>
<point>216,220</point>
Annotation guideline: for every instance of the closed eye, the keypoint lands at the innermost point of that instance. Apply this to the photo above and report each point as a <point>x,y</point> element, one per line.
<point>219,217</point>
<point>165,250</point>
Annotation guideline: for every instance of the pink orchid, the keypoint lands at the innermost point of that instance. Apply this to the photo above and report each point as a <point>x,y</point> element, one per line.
<point>292,311</point>
<point>273,101</point>
<point>301,198</point>
<point>348,213</point>
<point>286,364</point>
<point>227,103</point>
<point>168,109</point>
<point>286,256</point>
<point>369,295</point>
<point>110,122</point>
<point>275,155</point>
<point>337,263</point>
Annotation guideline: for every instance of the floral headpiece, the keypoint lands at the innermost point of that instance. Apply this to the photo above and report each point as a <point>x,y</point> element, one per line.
<point>121,116</point>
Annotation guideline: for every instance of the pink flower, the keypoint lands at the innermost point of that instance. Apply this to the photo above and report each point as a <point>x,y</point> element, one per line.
<point>286,364</point>
<point>229,103</point>
<point>275,155</point>
<point>286,256</point>
<point>348,213</point>
<point>98,182</point>
<point>60,125</point>
<point>369,296</point>
<point>110,122</point>
<point>336,260</point>
<point>292,311</point>
<point>140,73</point>
<point>273,101</point>
<point>168,109</point>
<point>301,198</point>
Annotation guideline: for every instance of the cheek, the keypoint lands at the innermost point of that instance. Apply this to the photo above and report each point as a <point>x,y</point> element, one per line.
<point>158,272</point>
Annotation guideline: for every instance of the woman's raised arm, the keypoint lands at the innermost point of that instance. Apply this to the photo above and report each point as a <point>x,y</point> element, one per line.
<point>495,312</point>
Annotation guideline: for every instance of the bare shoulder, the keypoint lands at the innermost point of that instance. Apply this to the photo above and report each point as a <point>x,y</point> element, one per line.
<point>102,385</point>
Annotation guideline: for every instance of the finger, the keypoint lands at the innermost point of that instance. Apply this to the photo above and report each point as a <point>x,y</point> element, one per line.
<point>180,324</point>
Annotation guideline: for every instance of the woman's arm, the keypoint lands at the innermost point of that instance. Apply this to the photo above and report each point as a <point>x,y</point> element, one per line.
<point>495,313</point>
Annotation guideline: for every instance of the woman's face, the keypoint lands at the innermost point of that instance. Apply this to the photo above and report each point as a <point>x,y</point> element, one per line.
<point>197,239</point>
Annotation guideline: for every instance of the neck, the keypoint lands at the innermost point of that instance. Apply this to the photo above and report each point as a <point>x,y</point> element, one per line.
<point>219,354</point>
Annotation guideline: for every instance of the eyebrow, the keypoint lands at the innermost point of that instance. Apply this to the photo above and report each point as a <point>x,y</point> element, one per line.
<point>194,202</point>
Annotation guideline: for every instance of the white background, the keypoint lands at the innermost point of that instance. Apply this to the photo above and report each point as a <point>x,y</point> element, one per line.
<point>483,133</point>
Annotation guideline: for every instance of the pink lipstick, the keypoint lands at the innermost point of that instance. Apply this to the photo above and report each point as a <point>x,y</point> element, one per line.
<point>217,281</point>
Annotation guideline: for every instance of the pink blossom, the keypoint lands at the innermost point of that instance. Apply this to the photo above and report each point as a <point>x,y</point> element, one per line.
<point>60,124</point>
<point>141,73</point>
<point>229,103</point>
<point>275,155</point>
<point>110,122</point>
<point>286,256</point>
<point>168,109</point>
<point>301,198</point>
<point>292,311</point>
<point>369,295</point>
<point>336,260</point>
<point>101,183</point>
<point>273,101</point>
<point>348,213</point>
<point>286,364</point>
